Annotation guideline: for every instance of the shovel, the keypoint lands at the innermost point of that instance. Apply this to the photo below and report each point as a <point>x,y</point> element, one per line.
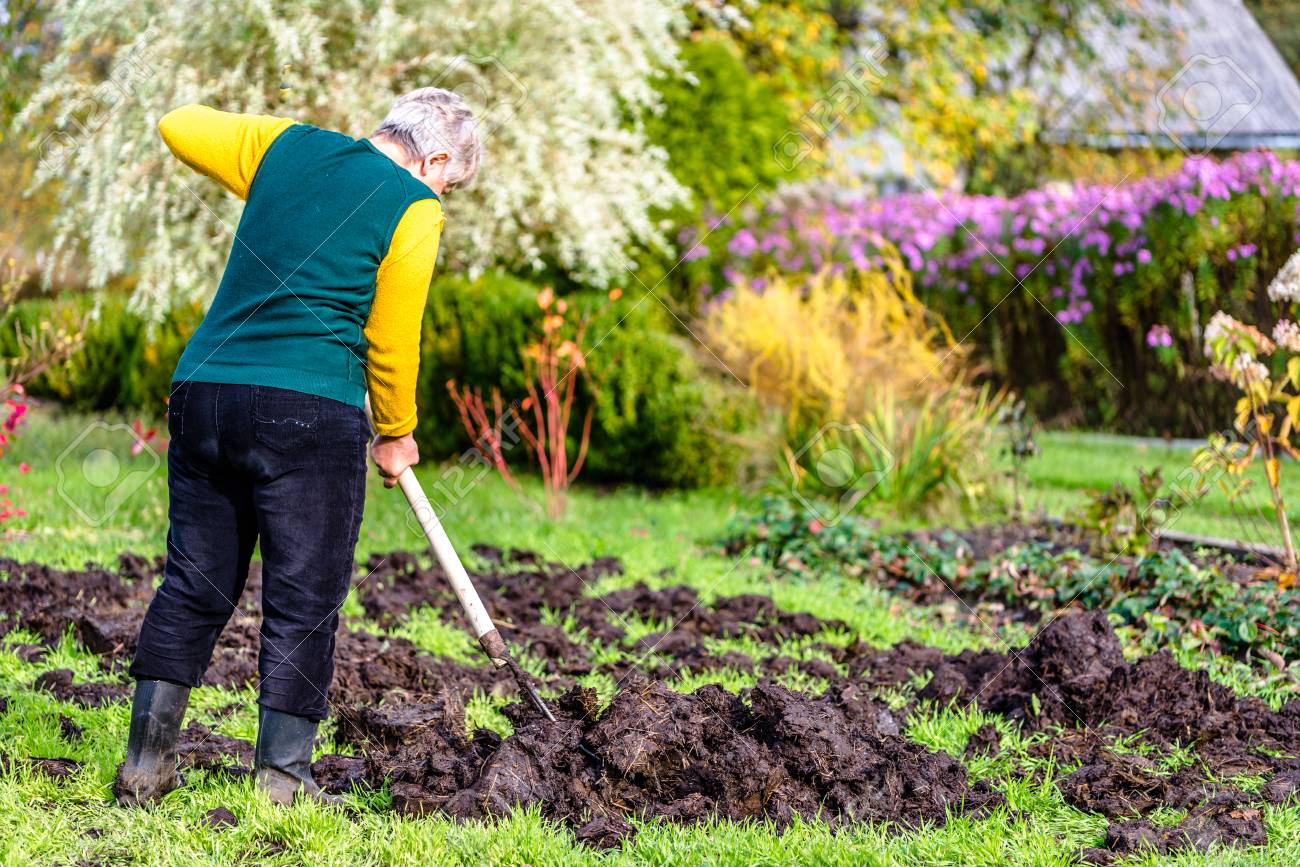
<point>484,629</point>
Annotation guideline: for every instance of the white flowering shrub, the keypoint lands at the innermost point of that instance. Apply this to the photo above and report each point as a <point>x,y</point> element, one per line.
<point>568,178</point>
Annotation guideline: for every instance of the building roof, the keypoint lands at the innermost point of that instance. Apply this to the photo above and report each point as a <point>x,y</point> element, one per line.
<point>1227,87</point>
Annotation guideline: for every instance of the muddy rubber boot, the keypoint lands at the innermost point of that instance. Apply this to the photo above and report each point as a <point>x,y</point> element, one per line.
<point>283,758</point>
<point>149,771</point>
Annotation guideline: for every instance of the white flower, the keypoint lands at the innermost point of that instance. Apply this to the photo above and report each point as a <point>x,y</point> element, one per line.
<point>1287,335</point>
<point>1221,325</point>
<point>1245,370</point>
<point>1286,285</point>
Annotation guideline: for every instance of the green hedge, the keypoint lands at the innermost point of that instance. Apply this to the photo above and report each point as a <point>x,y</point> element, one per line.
<point>125,363</point>
<point>661,420</point>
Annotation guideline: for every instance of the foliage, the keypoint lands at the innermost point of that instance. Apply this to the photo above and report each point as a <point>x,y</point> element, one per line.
<point>27,36</point>
<point>25,355</point>
<point>973,86</point>
<point>1120,520</point>
<point>1267,412</point>
<point>121,361</point>
<point>28,349</point>
<point>553,367</point>
<point>869,384</point>
<point>793,47</point>
<point>794,539</point>
<point>659,419</point>
<point>718,125</point>
<point>568,179</point>
<point>969,87</point>
<point>1077,276</point>
<point>1177,599</point>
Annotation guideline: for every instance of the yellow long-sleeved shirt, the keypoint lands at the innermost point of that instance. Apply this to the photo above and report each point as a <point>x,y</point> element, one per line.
<point>228,148</point>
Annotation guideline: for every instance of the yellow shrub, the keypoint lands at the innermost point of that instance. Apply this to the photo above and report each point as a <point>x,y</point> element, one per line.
<point>863,375</point>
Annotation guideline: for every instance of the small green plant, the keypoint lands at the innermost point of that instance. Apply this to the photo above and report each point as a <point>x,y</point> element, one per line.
<point>1020,446</point>
<point>1124,521</point>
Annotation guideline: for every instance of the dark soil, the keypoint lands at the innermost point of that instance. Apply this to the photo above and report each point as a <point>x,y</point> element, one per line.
<point>59,681</point>
<point>220,818</point>
<point>1073,674</point>
<point>768,754</point>
<point>55,769</point>
<point>657,753</point>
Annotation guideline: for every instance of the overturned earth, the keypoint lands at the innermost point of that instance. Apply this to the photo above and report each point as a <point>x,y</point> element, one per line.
<point>769,753</point>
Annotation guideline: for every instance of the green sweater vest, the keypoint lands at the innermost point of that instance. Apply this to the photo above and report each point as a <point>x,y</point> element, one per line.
<point>292,304</point>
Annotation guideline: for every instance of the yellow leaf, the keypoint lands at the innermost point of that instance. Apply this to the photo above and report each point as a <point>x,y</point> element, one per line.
<point>1273,467</point>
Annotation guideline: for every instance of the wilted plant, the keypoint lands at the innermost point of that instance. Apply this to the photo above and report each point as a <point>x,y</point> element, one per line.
<point>1267,412</point>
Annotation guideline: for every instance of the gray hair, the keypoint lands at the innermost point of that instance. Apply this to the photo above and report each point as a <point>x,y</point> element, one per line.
<point>431,120</point>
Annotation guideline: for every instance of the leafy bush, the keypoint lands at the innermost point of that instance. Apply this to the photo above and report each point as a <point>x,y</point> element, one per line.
<point>1132,273</point>
<point>659,420</point>
<point>122,362</point>
<point>719,125</point>
<point>869,383</point>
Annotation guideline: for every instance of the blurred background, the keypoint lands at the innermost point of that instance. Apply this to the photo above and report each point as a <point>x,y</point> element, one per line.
<point>837,247</point>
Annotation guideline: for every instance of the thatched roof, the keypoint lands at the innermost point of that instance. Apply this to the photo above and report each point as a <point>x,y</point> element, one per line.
<point>1228,87</point>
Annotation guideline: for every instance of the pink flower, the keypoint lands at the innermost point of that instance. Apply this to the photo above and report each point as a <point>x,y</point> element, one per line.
<point>815,526</point>
<point>1159,336</point>
<point>24,468</point>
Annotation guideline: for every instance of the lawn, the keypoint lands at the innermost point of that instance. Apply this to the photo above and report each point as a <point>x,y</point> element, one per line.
<point>1072,464</point>
<point>661,539</point>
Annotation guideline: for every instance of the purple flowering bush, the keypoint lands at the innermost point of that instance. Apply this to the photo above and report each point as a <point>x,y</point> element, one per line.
<point>1088,299</point>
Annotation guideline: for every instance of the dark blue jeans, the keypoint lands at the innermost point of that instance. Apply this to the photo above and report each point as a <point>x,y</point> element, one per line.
<point>248,464</point>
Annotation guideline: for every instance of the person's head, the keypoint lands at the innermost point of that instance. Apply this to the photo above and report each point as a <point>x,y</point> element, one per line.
<point>431,132</point>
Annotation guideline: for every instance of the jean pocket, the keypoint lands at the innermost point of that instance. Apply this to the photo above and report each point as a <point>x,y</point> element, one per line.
<point>285,420</point>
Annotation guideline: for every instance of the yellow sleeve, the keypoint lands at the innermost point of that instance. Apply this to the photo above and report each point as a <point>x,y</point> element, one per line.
<point>393,329</point>
<point>224,146</point>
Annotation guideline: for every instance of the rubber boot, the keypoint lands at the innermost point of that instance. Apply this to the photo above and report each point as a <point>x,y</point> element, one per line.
<point>283,758</point>
<point>149,771</point>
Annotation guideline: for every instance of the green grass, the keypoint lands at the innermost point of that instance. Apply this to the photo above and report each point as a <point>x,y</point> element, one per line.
<point>1072,464</point>
<point>657,537</point>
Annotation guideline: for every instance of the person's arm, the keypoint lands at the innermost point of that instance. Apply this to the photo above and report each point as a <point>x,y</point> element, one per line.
<point>393,333</point>
<point>224,146</point>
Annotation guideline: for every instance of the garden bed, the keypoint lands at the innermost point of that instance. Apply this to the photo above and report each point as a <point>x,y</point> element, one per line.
<point>1193,592</point>
<point>1142,738</point>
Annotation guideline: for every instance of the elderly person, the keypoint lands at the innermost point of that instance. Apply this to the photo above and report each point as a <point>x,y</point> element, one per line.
<point>321,302</point>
